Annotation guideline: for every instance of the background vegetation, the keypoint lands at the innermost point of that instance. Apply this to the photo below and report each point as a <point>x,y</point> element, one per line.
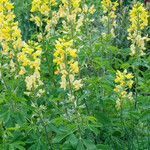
<point>52,121</point>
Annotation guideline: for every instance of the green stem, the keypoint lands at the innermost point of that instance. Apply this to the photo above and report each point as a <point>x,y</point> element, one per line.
<point>2,79</point>
<point>136,72</point>
<point>44,126</point>
<point>46,133</point>
<point>77,114</point>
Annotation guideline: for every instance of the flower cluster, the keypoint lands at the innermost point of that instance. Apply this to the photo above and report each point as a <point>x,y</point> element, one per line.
<point>69,11</point>
<point>29,58</point>
<point>44,16</point>
<point>87,10</point>
<point>10,34</point>
<point>43,6</point>
<point>66,53</point>
<point>138,20</point>
<point>124,83</point>
<point>16,51</point>
<point>67,65</point>
<point>45,19</point>
<point>73,15</point>
<point>109,16</point>
<point>85,16</point>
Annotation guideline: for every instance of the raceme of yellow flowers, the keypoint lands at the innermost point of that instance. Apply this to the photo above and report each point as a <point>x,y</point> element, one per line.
<point>67,64</point>
<point>85,16</point>
<point>43,13</point>
<point>124,82</point>
<point>87,10</point>
<point>17,51</point>
<point>65,54</point>
<point>108,19</point>
<point>29,58</point>
<point>73,15</point>
<point>43,6</point>
<point>10,34</point>
<point>139,21</point>
<point>69,11</point>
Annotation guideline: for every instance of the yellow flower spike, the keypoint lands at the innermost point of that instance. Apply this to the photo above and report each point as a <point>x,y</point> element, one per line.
<point>65,55</point>
<point>138,17</point>
<point>10,35</point>
<point>109,10</point>
<point>67,65</point>
<point>139,21</point>
<point>30,57</point>
<point>124,83</point>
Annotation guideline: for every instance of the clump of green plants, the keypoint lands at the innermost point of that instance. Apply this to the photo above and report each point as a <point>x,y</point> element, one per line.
<point>74,75</point>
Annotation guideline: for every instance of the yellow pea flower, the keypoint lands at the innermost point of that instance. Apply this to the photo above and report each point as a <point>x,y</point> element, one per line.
<point>130,83</point>
<point>22,71</point>
<point>77,84</point>
<point>129,76</point>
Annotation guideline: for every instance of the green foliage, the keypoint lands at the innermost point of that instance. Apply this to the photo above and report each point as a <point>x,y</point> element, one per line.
<point>43,124</point>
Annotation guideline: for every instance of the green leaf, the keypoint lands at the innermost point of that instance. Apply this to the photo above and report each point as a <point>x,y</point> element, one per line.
<point>80,145</point>
<point>125,65</point>
<point>92,119</point>
<point>61,135</point>
<point>89,145</point>
<point>11,147</point>
<point>73,140</point>
<point>5,116</point>
<point>94,128</point>
<point>103,147</point>
<point>145,115</point>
